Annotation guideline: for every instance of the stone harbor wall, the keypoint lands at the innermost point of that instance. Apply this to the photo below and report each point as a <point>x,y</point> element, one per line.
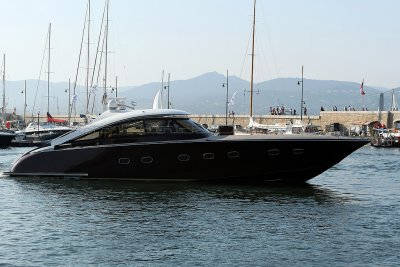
<point>344,119</point>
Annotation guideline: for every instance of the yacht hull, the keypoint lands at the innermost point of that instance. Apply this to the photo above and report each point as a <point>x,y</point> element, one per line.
<point>226,159</point>
<point>6,138</point>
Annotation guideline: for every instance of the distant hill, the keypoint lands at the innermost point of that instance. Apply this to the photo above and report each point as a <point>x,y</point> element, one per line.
<point>205,95</point>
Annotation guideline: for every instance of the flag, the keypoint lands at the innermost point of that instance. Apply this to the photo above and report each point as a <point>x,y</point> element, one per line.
<point>232,101</point>
<point>362,88</point>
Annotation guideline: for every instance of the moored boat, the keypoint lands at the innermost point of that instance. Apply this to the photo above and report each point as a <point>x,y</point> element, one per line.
<point>44,131</point>
<point>153,145</point>
<point>383,137</point>
<point>6,136</point>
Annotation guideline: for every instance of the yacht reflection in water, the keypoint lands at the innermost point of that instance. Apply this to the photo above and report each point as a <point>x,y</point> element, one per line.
<point>144,192</point>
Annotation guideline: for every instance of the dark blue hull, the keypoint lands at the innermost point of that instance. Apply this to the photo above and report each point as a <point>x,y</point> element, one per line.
<point>225,159</point>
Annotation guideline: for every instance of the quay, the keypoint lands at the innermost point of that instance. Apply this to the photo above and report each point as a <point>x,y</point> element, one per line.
<point>345,122</point>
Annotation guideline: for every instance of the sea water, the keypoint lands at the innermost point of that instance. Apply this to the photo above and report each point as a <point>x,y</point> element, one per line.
<point>347,216</point>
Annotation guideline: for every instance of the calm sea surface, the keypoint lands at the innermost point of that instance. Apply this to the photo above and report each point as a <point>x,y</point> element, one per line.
<point>347,216</point>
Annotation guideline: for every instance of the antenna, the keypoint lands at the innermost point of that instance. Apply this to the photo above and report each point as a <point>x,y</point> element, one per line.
<point>88,59</point>
<point>4,89</point>
<point>106,40</point>
<point>252,61</point>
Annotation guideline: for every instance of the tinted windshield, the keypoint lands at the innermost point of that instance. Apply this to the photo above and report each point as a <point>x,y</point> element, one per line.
<point>142,130</point>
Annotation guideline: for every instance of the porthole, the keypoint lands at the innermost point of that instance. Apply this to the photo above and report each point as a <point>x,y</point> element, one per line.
<point>147,160</point>
<point>124,161</point>
<point>208,156</point>
<point>298,151</point>
<point>184,157</point>
<point>273,152</point>
<point>233,154</point>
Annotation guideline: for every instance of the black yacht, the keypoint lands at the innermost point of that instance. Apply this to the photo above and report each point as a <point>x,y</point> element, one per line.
<point>166,145</point>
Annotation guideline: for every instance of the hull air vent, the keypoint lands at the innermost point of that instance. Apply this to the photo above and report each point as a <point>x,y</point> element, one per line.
<point>184,157</point>
<point>124,161</point>
<point>273,152</point>
<point>208,156</point>
<point>147,160</point>
<point>298,151</point>
<point>233,154</point>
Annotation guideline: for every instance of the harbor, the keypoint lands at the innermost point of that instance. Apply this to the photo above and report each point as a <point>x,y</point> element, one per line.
<point>345,119</point>
<point>199,133</point>
<point>344,123</point>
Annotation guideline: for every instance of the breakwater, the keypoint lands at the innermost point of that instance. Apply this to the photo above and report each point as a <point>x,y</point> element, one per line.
<point>345,120</point>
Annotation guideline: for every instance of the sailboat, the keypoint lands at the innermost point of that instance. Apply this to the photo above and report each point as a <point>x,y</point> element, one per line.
<point>6,136</point>
<point>94,105</point>
<point>158,98</point>
<point>266,128</point>
<point>38,131</point>
<point>157,101</point>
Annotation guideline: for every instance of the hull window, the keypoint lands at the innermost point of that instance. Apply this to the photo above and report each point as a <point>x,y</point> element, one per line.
<point>124,161</point>
<point>184,157</point>
<point>208,156</point>
<point>273,152</point>
<point>233,154</point>
<point>298,151</point>
<point>147,160</point>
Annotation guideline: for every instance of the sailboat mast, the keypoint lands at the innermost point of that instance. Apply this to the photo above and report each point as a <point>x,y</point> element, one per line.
<point>162,88</point>
<point>48,73</point>
<point>116,86</point>
<point>88,59</point>
<point>392,107</point>
<point>169,76</point>
<point>3,112</point>
<point>252,61</point>
<point>69,100</point>
<point>25,102</point>
<point>79,63</point>
<point>105,63</point>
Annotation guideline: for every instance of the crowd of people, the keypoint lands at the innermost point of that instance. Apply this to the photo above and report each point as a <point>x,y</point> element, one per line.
<point>280,110</point>
<point>346,108</point>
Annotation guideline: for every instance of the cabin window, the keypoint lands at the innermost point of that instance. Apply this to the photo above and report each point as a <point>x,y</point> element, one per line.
<point>169,126</point>
<point>129,129</point>
<point>91,136</point>
<point>144,130</point>
<point>173,128</point>
<point>122,131</point>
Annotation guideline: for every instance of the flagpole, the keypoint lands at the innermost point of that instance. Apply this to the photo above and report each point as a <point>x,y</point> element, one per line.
<point>362,94</point>
<point>362,102</point>
<point>227,101</point>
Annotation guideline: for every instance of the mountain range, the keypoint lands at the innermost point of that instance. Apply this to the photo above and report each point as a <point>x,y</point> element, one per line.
<point>206,94</point>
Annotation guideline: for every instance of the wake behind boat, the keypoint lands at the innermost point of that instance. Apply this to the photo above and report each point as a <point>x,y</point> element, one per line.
<point>166,145</point>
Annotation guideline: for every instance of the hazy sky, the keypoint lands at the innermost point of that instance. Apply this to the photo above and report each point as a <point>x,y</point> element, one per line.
<point>334,39</point>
